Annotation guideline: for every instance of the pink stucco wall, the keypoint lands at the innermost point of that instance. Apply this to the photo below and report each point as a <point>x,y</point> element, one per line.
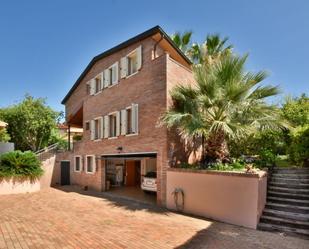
<point>235,198</point>
<point>15,186</point>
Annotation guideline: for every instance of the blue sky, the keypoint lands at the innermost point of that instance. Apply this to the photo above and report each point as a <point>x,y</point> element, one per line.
<point>45,45</point>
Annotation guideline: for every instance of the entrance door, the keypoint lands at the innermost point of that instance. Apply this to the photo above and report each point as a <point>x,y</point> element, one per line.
<point>130,173</point>
<point>65,173</point>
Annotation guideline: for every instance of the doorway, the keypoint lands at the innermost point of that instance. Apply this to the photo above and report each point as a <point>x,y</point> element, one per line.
<point>65,172</point>
<point>133,173</point>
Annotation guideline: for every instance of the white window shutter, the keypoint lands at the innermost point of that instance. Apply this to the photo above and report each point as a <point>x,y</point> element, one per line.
<point>139,57</point>
<point>135,118</point>
<point>102,80</point>
<point>106,78</point>
<point>123,122</point>
<point>116,72</point>
<point>117,123</point>
<point>101,127</point>
<point>92,129</point>
<point>106,126</point>
<point>92,87</point>
<point>123,67</point>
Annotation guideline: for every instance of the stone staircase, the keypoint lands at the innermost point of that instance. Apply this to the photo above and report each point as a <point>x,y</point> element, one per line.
<point>287,207</point>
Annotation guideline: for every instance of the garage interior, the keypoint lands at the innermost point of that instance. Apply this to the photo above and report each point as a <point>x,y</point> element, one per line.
<point>124,175</point>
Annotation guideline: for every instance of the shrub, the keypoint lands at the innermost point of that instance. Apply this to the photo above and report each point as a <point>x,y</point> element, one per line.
<point>63,144</point>
<point>4,136</point>
<point>77,137</point>
<point>266,158</point>
<point>298,150</point>
<point>20,164</point>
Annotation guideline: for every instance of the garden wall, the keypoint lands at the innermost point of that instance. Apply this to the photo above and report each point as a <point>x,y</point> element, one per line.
<point>236,198</point>
<point>18,186</point>
<point>6,147</point>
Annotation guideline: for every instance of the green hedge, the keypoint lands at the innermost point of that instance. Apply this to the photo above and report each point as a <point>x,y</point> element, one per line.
<point>20,164</point>
<point>299,149</point>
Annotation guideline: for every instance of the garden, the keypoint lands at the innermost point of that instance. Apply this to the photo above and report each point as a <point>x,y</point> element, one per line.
<point>229,112</point>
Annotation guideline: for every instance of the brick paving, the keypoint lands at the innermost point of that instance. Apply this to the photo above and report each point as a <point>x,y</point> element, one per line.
<point>55,218</point>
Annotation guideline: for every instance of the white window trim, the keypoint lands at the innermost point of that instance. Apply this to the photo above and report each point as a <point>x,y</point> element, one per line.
<point>98,139</point>
<point>112,113</point>
<point>93,166</point>
<point>86,121</point>
<point>131,134</point>
<point>80,163</point>
<point>96,77</point>
<point>117,81</point>
<point>128,76</point>
<point>128,55</point>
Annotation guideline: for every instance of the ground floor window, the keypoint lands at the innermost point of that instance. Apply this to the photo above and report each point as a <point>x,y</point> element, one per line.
<point>90,164</point>
<point>78,164</point>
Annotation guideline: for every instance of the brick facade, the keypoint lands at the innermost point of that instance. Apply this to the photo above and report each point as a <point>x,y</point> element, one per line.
<point>149,88</point>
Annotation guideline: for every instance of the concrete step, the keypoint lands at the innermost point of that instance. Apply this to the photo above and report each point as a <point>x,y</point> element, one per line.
<point>287,207</point>
<point>288,195</point>
<point>289,180</point>
<point>288,190</point>
<point>291,176</point>
<point>296,202</point>
<point>285,222</point>
<point>290,185</point>
<point>302,233</point>
<point>285,214</point>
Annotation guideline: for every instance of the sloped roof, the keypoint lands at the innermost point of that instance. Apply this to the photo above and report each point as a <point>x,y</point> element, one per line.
<point>142,36</point>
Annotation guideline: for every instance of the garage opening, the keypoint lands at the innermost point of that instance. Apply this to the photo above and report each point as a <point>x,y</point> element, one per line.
<point>132,176</point>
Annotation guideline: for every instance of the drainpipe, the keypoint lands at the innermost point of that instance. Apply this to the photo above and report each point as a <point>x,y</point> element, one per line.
<point>69,137</point>
<point>156,44</point>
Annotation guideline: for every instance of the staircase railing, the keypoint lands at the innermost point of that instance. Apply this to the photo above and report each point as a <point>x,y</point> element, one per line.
<point>47,152</point>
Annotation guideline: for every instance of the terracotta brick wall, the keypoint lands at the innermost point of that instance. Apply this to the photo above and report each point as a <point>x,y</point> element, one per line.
<point>149,89</point>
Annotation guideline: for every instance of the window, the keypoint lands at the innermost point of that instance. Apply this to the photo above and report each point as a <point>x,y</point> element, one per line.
<point>129,121</point>
<point>111,75</point>
<point>90,164</point>
<point>78,164</point>
<point>98,83</point>
<point>96,129</point>
<point>132,63</point>
<point>112,125</point>
<point>87,126</point>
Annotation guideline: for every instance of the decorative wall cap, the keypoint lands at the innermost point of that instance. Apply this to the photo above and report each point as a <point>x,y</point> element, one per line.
<point>258,174</point>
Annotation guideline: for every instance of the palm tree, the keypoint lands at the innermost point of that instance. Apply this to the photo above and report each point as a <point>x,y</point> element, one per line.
<point>226,102</point>
<point>182,41</point>
<point>210,50</point>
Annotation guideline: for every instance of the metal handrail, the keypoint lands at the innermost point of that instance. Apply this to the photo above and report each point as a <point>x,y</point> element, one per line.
<point>46,149</point>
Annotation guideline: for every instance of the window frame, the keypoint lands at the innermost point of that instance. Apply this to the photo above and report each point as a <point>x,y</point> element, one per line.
<point>114,114</point>
<point>97,119</point>
<point>110,69</point>
<point>80,163</point>
<point>129,57</point>
<point>93,164</point>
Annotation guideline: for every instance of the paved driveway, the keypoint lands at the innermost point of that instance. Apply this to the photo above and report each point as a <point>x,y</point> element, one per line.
<point>62,219</point>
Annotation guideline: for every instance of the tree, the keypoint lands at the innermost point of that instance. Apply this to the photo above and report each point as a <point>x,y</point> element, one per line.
<point>30,123</point>
<point>296,110</point>
<point>182,40</point>
<point>212,49</point>
<point>4,136</point>
<point>225,103</point>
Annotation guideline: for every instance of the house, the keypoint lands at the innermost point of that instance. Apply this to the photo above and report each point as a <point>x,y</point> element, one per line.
<point>118,101</point>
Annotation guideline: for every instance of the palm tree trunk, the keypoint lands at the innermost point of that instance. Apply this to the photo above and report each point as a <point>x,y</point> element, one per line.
<point>216,148</point>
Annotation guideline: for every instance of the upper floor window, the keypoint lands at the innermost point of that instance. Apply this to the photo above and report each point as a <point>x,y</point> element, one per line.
<point>111,75</point>
<point>96,84</point>
<point>129,120</point>
<point>96,128</point>
<point>131,63</point>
